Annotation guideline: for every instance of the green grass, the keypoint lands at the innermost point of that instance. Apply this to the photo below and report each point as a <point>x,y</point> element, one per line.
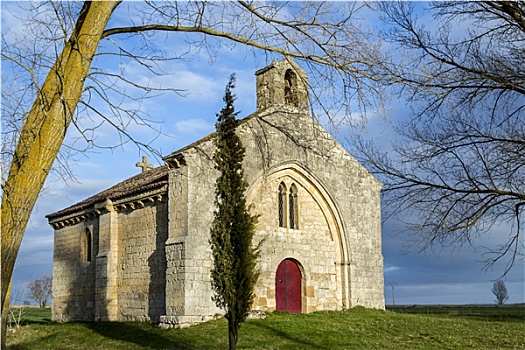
<point>357,328</point>
<point>29,315</point>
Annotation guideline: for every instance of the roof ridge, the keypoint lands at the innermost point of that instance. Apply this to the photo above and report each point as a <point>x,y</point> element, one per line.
<point>146,180</point>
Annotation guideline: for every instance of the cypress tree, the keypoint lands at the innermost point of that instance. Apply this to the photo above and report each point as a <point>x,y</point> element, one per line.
<point>234,272</point>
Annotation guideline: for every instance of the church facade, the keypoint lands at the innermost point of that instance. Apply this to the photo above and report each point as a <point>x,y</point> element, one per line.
<point>140,249</point>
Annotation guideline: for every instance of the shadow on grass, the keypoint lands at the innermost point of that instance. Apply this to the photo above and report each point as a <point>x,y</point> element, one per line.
<point>25,322</point>
<point>141,334</point>
<point>33,322</point>
<point>298,342</point>
<point>35,344</point>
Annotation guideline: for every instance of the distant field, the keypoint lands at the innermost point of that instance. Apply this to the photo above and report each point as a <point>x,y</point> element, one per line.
<point>401,327</point>
<point>498,311</point>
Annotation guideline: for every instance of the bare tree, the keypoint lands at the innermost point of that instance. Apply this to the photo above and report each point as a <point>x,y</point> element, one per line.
<point>40,290</point>
<point>65,79</point>
<point>500,292</point>
<point>457,171</point>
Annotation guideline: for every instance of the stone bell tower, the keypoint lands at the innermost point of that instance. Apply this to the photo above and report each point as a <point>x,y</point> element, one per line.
<point>282,83</point>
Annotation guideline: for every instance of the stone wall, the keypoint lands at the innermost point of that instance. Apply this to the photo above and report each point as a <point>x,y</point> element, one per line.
<point>125,276</point>
<point>288,136</point>
<point>142,263</point>
<point>198,256</point>
<point>314,245</point>
<point>73,279</point>
<point>175,245</point>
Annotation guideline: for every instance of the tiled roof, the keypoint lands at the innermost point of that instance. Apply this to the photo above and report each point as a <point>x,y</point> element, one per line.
<point>144,181</point>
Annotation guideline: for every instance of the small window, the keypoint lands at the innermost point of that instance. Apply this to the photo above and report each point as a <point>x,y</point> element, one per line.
<point>293,208</point>
<point>290,89</point>
<point>86,246</point>
<point>282,204</point>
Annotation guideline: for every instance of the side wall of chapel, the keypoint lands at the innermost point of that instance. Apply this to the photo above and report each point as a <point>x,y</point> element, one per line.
<point>125,276</point>
<point>142,263</point>
<point>73,285</point>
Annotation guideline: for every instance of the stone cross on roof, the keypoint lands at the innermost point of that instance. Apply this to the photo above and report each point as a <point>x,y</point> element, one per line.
<point>144,164</point>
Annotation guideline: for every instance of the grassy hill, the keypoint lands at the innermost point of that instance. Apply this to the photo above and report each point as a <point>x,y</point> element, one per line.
<point>400,328</point>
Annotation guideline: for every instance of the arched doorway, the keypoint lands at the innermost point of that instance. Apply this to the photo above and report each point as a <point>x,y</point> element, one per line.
<point>288,287</point>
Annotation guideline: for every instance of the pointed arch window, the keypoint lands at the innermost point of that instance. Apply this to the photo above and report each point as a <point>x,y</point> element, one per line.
<point>86,246</point>
<point>293,208</point>
<point>290,88</point>
<point>282,204</point>
<point>288,206</point>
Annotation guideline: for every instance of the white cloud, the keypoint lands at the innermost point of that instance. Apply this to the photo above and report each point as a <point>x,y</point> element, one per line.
<point>390,268</point>
<point>198,87</point>
<point>194,126</point>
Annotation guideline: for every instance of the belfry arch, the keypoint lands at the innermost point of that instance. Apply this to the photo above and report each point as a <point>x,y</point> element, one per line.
<point>282,83</point>
<point>290,88</point>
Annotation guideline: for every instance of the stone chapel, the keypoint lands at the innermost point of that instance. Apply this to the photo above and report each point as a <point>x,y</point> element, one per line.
<point>139,250</point>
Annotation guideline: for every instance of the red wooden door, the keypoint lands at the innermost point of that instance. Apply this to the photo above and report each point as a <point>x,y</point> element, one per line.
<point>288,287</point>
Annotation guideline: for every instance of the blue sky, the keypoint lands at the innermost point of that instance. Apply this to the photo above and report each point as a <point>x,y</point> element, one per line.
<point>450,277</point>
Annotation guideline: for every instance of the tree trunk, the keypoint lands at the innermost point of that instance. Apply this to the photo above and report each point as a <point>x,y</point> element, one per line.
<point>43,134</point>
<point>233,334</point>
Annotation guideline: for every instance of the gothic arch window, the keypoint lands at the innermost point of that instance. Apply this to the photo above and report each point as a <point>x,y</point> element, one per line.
<point>290,88</point>
<point>293,208</point>
<point>86,246</point>
<point>282,205</point>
